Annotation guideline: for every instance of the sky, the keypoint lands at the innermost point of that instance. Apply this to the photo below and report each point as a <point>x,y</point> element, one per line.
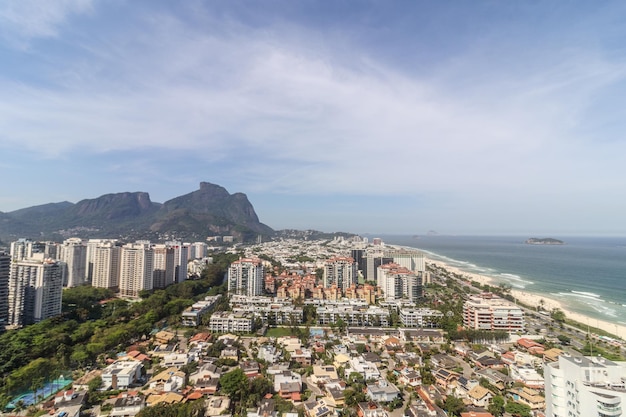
<point>482,117</point>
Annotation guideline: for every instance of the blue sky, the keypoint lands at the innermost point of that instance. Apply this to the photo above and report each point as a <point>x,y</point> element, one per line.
<point>462,117</point>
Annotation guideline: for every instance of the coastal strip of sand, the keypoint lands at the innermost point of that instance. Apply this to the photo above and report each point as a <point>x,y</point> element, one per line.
<point>538,300</point>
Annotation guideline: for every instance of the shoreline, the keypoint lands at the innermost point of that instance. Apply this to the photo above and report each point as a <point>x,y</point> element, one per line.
<point>536,300</point>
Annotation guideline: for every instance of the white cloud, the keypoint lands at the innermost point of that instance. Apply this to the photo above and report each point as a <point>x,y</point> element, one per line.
<point>22,20</point>
<point>304,119</point>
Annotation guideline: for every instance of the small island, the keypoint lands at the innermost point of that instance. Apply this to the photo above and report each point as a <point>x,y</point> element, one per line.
<point>544,241</point>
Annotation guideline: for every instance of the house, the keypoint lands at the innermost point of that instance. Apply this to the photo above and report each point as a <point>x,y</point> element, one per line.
<point>341,359</point>
<point>446,379</point>
<point>207,370</point>
<point>335,394</point>
<point>527,375</point>
<point>323,374</point>
<point>529,397</point>
<point>464,386</point>
<point>480,396</point>
<point>128,404</point>
<point>302,357</point>
<point>267,408</point>
<point>290,343</point>
<point>250,368</point>
<point>287,383</point>
<point>166,398</point>
<point>168,380</point>
<point>206,386</point>
<point>164,337</point>
<point>318,408</point>
<point>230,353</point>
<point>495,378</point>
<point>441,360</point>
<point>200,337</point>
<point>551,355</point>
<point>409,377</point>
<point>529,345</point>
<point>268,353</point>
<point>392,343</point>
<point>370,409</point>
<point>361,366</point>
<point>121,374</point>
<point>382,391</point>
<point>216,406</point>
<point>175,359</point>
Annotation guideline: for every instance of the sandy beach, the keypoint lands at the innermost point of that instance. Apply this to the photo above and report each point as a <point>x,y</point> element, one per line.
<point>536,300</point>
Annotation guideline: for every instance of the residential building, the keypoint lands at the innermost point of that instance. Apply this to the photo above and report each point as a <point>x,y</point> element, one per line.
<point>73,252</point>
<point>491,313</point>
<point>192,316</point>
<point>382,391</point>
<point>419,317</point>
<point>121,374</point>
<point>340,272</point>
<point>164,272</point>
<point>584,387</point>
<point>35,290</point>
<point>225,322</point>
<point>245,277</point>
<point>136,268</point>
<point>103,263</point>
<point>5,269</point>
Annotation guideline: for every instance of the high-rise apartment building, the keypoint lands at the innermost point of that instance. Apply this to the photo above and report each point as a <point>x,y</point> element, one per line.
<point>181,257</point>
<point>136,268</point>
<point>197,250</point>
<point>5,268</point>
<point>373,259</point>
<point>579,386</point>
<point>245,277</point>
<point>164,266</point>
<point>340,272</point>
<point>73,253</point>
<point>398,282</point>
<point>35,290</point>
<point>104,263</point>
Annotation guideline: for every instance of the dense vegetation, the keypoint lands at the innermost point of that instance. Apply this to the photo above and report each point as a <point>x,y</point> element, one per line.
<point>94,326</point>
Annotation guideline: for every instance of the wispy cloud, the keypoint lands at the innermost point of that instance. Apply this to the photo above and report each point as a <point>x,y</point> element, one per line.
<point>23,20</point>
<point>281,110</point>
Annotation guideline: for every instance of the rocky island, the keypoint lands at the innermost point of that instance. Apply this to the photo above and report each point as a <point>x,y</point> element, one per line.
<point>544,241</point>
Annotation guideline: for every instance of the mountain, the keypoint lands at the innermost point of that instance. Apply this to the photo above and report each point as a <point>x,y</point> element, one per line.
<point>209,211</point>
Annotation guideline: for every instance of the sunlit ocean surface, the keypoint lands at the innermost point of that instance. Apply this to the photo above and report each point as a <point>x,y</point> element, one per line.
<point>586,274</point>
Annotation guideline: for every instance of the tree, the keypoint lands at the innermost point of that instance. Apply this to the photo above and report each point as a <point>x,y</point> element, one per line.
<point>234,383</point>
<point>517,409</point>
<point>558,315</point>
<point>453,406</point>
<point>496,407</point>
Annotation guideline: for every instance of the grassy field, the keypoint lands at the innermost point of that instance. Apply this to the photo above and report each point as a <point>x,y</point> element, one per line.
<point>278,332</point>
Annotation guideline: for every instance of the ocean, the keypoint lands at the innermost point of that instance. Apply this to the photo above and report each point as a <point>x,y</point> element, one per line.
<point>588,275</point>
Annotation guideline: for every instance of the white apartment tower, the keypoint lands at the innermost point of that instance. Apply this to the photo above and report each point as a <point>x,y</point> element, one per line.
<point>5,268</point>
<point>245,277</point>
<point>579,386</point>
<point>164,266</point>
<point>398,282</point>
<point>181,256</point>
<point>136,268</point>
<point>74,253</point>
<point>104,264</point>
<point>35,289</point>
<point>341,272</point>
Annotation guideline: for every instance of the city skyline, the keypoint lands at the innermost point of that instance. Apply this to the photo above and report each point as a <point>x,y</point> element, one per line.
<point>402,117</point>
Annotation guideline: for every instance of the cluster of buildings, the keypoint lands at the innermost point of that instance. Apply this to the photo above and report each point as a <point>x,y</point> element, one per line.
<point>33,274</point>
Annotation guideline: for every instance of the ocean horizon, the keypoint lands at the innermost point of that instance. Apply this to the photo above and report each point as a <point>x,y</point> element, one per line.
<point>586,274</point>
